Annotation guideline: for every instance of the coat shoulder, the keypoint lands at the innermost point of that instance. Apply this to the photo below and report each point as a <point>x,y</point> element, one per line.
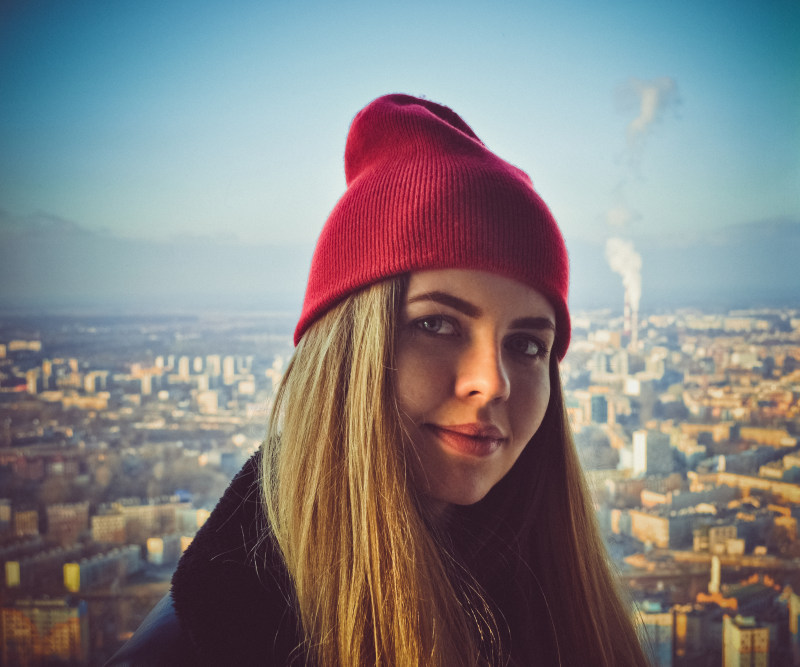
<point>231,601</point>
<point>159,640</point>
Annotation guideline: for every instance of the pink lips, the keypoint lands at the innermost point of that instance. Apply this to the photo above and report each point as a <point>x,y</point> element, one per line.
<point>472,439</point>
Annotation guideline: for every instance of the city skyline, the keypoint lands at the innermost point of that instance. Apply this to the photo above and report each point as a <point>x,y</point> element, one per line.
<point>137,130</point>
<point>120,433</point>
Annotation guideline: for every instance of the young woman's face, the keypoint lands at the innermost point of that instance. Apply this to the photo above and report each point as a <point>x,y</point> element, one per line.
<point>472,378</point>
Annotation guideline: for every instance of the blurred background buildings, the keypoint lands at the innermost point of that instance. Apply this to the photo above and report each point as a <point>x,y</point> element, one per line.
<point>119,434</point>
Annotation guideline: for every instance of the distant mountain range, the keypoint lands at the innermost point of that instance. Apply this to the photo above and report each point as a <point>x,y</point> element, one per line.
<point>48,263</point>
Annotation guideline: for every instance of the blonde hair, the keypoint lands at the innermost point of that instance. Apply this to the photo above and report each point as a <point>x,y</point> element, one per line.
<point>375,580</point>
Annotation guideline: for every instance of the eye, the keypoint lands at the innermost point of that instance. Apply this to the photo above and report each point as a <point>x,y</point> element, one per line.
<point>436,324</point>
<point>526,345</point>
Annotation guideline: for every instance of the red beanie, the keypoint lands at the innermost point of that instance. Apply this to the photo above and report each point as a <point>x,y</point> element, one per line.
<point>423,192</point>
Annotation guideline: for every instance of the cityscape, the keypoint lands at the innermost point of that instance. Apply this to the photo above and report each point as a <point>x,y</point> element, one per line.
<point>167,167</point>
<point>119,433</point>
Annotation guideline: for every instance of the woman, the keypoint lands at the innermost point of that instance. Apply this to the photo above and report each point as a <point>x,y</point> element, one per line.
<point>418,499</point>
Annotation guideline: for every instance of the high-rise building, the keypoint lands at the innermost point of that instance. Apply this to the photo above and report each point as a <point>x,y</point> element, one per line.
<point>691,631</point>
<point>652,454</point>
<point>665,530</point>
<point>599,365</point>
<point>657,626</point>
<point>90,384</point>
<point>109,528</point>
<point>228,370</point>
<point>47,374</point>
<point>744,642</point>
<point>620,363</point>
<point>43,632</point>
<point>184,367</point>
<point>214,365</point>
<point>599,407</point>
<point>26,522</point>
<point>66,522</point>
<point>33,381</point>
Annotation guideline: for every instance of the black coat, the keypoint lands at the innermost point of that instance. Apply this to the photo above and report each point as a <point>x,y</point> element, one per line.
<point>231,600</point>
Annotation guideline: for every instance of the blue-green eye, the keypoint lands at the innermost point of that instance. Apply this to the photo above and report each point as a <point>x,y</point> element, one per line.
<point>526,345</point>
<point>436,324</point>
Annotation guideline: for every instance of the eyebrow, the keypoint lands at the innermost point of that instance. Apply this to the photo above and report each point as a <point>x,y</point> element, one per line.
<point>472,311</point>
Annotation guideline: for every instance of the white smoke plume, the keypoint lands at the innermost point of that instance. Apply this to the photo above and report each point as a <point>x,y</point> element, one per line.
<point>651,99</point>
<point>624,260</point>
<point>654,97</point>
<point>620,216</point>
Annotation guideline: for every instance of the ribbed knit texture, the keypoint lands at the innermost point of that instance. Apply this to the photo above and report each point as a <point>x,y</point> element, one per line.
<point>423,192</point>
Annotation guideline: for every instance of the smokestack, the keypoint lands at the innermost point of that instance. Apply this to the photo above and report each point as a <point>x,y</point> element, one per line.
<point>630,321</point>
<point>624,260</point>
<point>626,314</point>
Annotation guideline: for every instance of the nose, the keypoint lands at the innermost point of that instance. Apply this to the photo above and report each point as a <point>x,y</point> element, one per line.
<point>482,373</point>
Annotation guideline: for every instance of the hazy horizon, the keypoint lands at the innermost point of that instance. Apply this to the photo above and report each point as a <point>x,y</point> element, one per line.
<point>53,265</point>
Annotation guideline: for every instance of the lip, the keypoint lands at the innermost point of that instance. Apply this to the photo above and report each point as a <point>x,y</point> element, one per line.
<point>471,439</point>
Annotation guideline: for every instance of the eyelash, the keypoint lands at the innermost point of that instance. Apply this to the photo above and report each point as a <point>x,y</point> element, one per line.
<point>541,349</point>
<point>422,323</point>
<point>440,319</point>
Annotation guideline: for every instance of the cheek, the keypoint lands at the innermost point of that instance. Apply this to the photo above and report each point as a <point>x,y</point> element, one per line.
<point>420,382</point>
<point>529,403</point>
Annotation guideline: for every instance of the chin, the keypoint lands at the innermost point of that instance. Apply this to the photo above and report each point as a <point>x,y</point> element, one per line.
<point>462,496</point>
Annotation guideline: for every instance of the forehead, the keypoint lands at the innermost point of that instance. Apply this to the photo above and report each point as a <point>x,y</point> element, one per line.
<point>487,291</point>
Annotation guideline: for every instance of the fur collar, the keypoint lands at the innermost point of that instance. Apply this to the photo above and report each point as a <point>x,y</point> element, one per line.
<point>231,591</point>
<point>235,602</point>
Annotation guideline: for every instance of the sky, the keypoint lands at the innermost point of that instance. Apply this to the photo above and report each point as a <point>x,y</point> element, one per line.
<point>168,124</point>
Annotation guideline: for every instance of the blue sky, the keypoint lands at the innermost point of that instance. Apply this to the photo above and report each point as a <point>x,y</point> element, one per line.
<point>162,120</point>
